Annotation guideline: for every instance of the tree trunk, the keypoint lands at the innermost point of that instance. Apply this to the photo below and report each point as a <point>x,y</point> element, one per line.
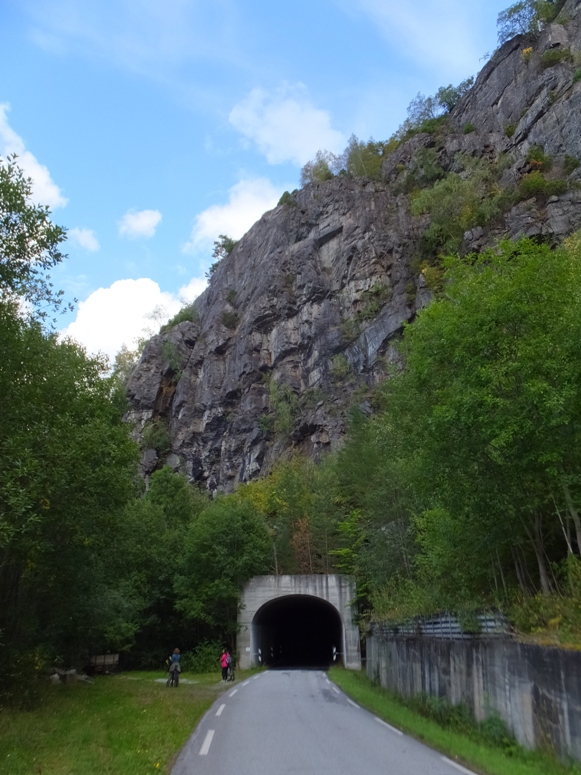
<point>574,515</point>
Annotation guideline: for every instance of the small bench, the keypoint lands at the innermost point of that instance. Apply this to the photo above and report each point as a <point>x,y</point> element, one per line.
<point>103,663</point>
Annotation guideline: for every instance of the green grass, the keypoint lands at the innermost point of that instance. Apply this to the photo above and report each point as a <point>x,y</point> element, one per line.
<point>474,753</point>
<point>120,725</point>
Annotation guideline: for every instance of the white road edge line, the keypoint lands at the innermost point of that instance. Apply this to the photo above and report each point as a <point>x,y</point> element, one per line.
<point>393,729</point>
<point>457,766</point>
<point>246,682</point>
<point>355,705</point>
<point>336,690</point>
<point>207,742</point>
<point>220,709</point>
<point>233,693</point>
<point>255,677</point>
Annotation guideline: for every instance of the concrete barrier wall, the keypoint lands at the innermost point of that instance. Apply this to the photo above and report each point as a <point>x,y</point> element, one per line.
<point>536,690</point>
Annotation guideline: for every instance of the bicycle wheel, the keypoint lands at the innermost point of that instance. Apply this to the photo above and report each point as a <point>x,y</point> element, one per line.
<point>176,678</point>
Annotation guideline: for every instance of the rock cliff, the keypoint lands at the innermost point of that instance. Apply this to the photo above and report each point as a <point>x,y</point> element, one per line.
<point>298,321</point>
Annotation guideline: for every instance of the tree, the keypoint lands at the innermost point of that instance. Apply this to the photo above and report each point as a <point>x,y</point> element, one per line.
<point>323,167</point>
<point>29,243</point>
<point>223,246</point>
<point>526,17</point>
<point>223,548</point>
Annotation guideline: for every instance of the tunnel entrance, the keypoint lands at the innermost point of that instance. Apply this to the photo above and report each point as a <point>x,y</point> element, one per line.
<point>298,631</point>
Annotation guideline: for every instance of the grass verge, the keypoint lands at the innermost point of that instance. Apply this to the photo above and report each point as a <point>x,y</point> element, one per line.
<point>467,749</point>
<point>119,725</point>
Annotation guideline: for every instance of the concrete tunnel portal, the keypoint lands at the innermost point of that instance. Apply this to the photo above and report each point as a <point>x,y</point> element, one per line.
<point>298,622</point>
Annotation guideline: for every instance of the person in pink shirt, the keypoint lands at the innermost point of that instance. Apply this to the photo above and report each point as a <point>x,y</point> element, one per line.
<point>225,660</point>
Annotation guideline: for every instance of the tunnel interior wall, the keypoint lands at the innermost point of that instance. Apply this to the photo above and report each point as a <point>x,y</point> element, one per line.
<point>310,599</point>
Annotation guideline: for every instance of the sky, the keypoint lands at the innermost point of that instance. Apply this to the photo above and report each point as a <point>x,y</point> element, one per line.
<point>150,128</point>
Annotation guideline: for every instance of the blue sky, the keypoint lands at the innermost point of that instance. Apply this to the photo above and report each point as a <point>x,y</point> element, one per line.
<point>151,127</point>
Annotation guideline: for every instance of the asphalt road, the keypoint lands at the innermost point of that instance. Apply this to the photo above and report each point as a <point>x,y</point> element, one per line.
<point>283,722</point>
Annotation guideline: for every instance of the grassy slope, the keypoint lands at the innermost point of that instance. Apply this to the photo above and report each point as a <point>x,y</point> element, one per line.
<point>122,725</point>
<point>474,753</point>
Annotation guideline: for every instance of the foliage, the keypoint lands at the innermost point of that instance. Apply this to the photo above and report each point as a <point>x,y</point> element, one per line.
<point>555,56</point>
<point>526,17</point>
<point>509,130</point>
<point>457,203</point>
<point>66,470</point>
<point>223,246</point>
<point>29,243</point>
<point>538,159</point>
<point>225,546</point>
<point>173,357</point>
<point>570,164</point>
<point>186,313</point>
<point>340,368</point>
<point>577,75</point>
<point>536,185</point>
<point>469,128</point>
<point>287,199</point>
<point>229,319</point>
<point>156,436</point>
<point>365,160</point>
<point>323,167</point>
<point>203,658</point>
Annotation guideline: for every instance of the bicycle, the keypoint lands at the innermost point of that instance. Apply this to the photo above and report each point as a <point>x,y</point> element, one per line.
<point>230,676</point>
<point>174,677</point>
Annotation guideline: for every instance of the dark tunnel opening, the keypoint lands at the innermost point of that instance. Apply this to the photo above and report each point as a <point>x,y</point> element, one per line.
<point>298,631</point>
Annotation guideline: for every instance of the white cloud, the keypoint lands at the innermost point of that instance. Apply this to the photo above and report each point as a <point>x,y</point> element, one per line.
<point>248,200</point>
<point>285,125</point>
<point>44,189</point>
<point>128,309</point>
<point>84,238</point>
<point>142,223</point>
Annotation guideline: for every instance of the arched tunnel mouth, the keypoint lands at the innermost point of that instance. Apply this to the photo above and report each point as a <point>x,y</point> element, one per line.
<point>298,631</point>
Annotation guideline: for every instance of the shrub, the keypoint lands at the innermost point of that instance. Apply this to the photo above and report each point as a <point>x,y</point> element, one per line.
<point>172,355</point>
<point>365,160</point>
<point>468,128</point>
<point>432,126</point>
<point>509,130</point>
<point>350,329</point>
<point>189,312</point>
<point>570,164</point>
<point>577,76</point>
<point>156,436</point>
<point>287,199</point>
<point>323,167</point>
<point>203,658</point>
<point>537,158</point>
<point>536,185</point>
<point>230,319</point>
<point>555,56</point>
<point>231,296</point>
<point>340,368</point>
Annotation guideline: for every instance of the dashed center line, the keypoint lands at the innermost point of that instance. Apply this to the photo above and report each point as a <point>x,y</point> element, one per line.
<point>385,724</point>
<point>220,709</point>
<point>233,693</point>
<point>457,766</point>
<point>336,690</point>
<point>246,683</point>
<point>207,742</point>
<point>355,705</point>
<point>255,677</point>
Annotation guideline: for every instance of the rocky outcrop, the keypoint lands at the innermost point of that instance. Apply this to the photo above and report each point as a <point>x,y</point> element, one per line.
<point>299,320</point>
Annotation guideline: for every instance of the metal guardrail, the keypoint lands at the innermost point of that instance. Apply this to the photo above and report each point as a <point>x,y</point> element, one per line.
<point>448,627</point>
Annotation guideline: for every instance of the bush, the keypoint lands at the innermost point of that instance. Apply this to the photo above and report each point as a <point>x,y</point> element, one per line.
<point>577,76</point>
<point>536,185</point>
<point>340,368</point>
<point>537,158</point>
<point>156,436</point>
<point>468,128</point>
<point>555,56</point>
<point>204,658</point>
<point>230,319</point>
<point>509,130</point>
<point>189,312</point>
<point>231,296</point>
<point>570,164</point>
<point>287,199</point>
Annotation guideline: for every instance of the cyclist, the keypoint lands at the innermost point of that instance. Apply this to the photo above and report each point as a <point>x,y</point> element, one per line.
<point>174,664</point>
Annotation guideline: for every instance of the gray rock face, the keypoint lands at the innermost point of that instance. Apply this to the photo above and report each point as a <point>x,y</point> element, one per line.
<point>299,320</point>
